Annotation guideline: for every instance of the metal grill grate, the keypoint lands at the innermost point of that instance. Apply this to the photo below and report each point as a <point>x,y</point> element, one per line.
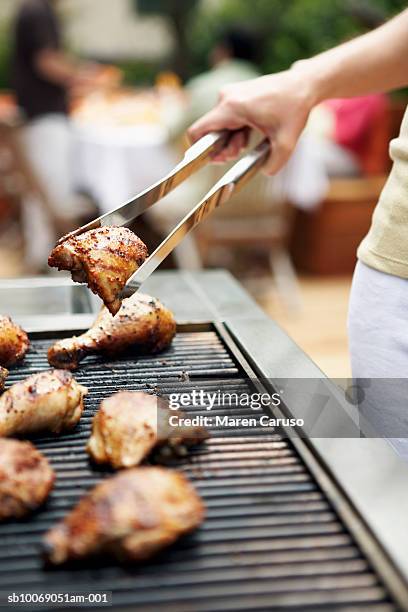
<point>270,540</point>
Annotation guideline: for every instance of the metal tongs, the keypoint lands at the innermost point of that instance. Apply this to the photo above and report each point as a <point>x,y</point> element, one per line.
<point>194,158</point>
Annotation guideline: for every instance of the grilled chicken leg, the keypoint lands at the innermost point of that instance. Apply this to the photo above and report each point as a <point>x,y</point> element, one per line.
<point>14,342</point>
<point>130,424</point>
<point>142,322</point>
<point>103,258</point>
<point>131,516</point>
<point>26,478</point>
<point>47,401</point>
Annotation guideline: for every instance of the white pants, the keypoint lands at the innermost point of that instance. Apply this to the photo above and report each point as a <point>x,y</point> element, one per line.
<point>47,145</point>
<point>378,341</point>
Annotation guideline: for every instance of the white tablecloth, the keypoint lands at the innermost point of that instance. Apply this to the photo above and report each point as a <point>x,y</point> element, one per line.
<point>114,163</point>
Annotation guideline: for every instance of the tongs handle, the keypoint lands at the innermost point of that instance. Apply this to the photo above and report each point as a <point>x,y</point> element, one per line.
<point>194,158</point>
<point>231,182</point>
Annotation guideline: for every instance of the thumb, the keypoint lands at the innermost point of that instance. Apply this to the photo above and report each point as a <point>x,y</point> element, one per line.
<point>281,149</point>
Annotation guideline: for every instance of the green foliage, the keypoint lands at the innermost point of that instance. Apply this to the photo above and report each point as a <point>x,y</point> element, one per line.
<point>288,30</point>
<point>138,73</point>
<point>5,53</point>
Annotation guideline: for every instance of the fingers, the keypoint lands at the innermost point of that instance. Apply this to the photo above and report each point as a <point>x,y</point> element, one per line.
<point>217,119</point>
<point>235,145</point>
<point>275,161</point>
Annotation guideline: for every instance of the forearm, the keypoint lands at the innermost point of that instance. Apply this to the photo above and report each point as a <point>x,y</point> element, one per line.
<point>377,61</point>
<point>56,67</point>
<point>53,66</point>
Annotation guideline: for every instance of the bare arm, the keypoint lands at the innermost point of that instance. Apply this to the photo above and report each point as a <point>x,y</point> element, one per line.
<point>278,105</point>
<point>377,61</point>
<point>54,66</point>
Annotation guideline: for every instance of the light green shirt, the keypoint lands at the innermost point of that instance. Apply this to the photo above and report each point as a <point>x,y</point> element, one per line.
<point>204,89</point>
<point>385,247</point>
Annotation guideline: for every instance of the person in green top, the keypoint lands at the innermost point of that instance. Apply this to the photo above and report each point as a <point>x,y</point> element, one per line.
<point>232,59</point>
<point>278,106</point>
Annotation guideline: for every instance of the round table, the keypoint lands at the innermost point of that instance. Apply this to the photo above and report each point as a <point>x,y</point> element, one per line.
<point>114,163</point>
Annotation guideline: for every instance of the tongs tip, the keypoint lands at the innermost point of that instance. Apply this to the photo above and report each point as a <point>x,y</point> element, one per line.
<point>129,290</point>
<point>80,230</point>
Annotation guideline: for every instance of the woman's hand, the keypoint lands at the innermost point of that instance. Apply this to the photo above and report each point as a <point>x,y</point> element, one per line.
<point>277,105</point>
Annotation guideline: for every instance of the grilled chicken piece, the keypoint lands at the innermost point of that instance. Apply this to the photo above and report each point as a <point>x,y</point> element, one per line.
<point>103,258</point>
<point>142,322</point>
<point>14,342</point>
<point>47,401</point>
<point>130,516</point>
<point>26,478</point>
<point>130,424</point>
<point>3,376</point>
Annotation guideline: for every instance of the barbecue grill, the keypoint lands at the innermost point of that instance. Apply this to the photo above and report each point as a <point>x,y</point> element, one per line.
<point>292,524</point>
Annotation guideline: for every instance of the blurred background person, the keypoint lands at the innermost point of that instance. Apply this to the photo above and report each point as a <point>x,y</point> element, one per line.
<point>43,76</point>
<point>232,58</point>
<point>343,138</point>
<point>354,127</point>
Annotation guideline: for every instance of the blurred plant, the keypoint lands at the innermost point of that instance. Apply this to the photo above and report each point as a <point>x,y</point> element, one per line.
<point>5,53</point>
<point>138,73</point>
<point>286,30</point>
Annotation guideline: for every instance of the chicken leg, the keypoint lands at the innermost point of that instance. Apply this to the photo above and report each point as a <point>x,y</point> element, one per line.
<point>130,424</point>
<point>130,516</point>
<point>26,478</point>
<point>47,401</point>
<point>142,322</point>
<point>14,342</point>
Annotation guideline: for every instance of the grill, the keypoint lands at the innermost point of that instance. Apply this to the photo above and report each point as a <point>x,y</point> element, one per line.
<point>271,539</point>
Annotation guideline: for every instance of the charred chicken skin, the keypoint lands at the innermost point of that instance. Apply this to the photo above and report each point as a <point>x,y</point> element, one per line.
<point>130,424</point>
<point>130,516</point>
<point>3,376</point>
<point>103,258</point>
<point>26,478</point>
<point>142,322</point>
<point>48,401</point>
<point>14,342</point>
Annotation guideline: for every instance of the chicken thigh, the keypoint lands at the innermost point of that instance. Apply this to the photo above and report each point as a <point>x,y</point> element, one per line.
<point>103,258</point>
<point>47,401</point>
<point>14,342</point>
<point>129,424</point>
<point>142,322</point>
<point>130,516</point>
<point>26,478</point>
